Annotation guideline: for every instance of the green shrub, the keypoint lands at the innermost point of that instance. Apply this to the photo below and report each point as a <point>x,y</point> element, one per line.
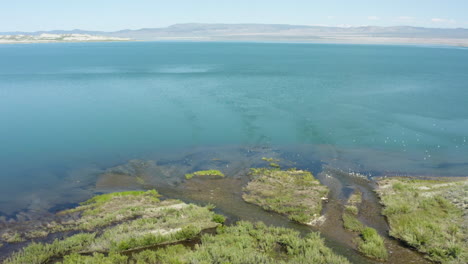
<point>219,218</point>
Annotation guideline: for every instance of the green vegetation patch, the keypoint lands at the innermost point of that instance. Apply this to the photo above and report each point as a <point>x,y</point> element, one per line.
<point>38,253</point>
<point>428,215</point>
<point>107,209</point>
<point>270,159</point>
<point>211,173</point>
<point>126,221</point>
<point>12,237</point>
<point>369,243</point>
<point>239,244</point>
<point>295,193</point>
<point>351,223</point>
<point>353,202</point>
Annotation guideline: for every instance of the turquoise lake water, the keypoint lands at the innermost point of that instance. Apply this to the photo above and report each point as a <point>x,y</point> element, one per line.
<point>373,109</point>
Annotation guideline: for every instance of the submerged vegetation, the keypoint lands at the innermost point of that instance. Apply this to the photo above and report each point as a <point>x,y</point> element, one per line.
<point>369,242</point>
<point>211,173</point>
<point>295,193</point>
<point>428,215</point>
<point>272,162</point>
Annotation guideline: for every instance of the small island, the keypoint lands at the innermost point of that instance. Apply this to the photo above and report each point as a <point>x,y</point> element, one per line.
<point>294,193</point>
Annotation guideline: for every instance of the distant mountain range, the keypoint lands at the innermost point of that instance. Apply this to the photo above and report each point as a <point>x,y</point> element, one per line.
<point>278,32</point>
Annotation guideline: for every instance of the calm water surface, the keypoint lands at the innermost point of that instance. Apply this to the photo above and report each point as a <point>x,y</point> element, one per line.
<point>70,110</point>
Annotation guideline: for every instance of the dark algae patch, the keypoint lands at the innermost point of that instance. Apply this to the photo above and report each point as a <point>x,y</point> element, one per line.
<point>429,215</point>
<point>369,242</point>
<point>294,193</point>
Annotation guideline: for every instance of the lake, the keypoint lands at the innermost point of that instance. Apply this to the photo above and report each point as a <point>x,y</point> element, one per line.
<point>71,110</point>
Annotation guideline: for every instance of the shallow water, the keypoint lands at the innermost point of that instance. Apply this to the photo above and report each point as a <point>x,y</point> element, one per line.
<point>165,172</point>
<point>68,111</point>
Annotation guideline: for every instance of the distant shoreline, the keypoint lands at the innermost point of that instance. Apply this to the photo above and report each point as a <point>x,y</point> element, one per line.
<point>357,41</point>
<point>57,38</point>
<point>259,33</point>
<point>409,42</point>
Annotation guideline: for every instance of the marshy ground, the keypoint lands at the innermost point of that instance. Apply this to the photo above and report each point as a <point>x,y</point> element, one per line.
<point>351,199</point>
<point>429,215</point>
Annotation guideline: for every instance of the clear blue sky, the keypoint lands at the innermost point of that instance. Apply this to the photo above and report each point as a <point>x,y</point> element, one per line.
<point>32,15</point>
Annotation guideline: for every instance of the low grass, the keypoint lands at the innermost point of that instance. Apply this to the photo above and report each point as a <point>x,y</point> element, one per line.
<point>242,243</point>
<point>140,220</point>
<point>295,193</point>
<point>350,222</point>
<point>38,253</point>
<point>167,224</point>
<point>211,173</point>
<point>258,243</point>
<point>428,216</point>
<point>96,258</point>
<point>369,243</point>
<point>176,254</point>
<point>103,198</point>
<point>372,245</point>
<point>13,237</point>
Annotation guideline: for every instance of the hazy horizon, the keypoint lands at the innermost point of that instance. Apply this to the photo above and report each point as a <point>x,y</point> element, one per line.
<point>221,23</point>
<point>30,16</point>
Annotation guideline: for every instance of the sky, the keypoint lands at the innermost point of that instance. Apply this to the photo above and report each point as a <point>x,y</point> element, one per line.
<point>111,15</point>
